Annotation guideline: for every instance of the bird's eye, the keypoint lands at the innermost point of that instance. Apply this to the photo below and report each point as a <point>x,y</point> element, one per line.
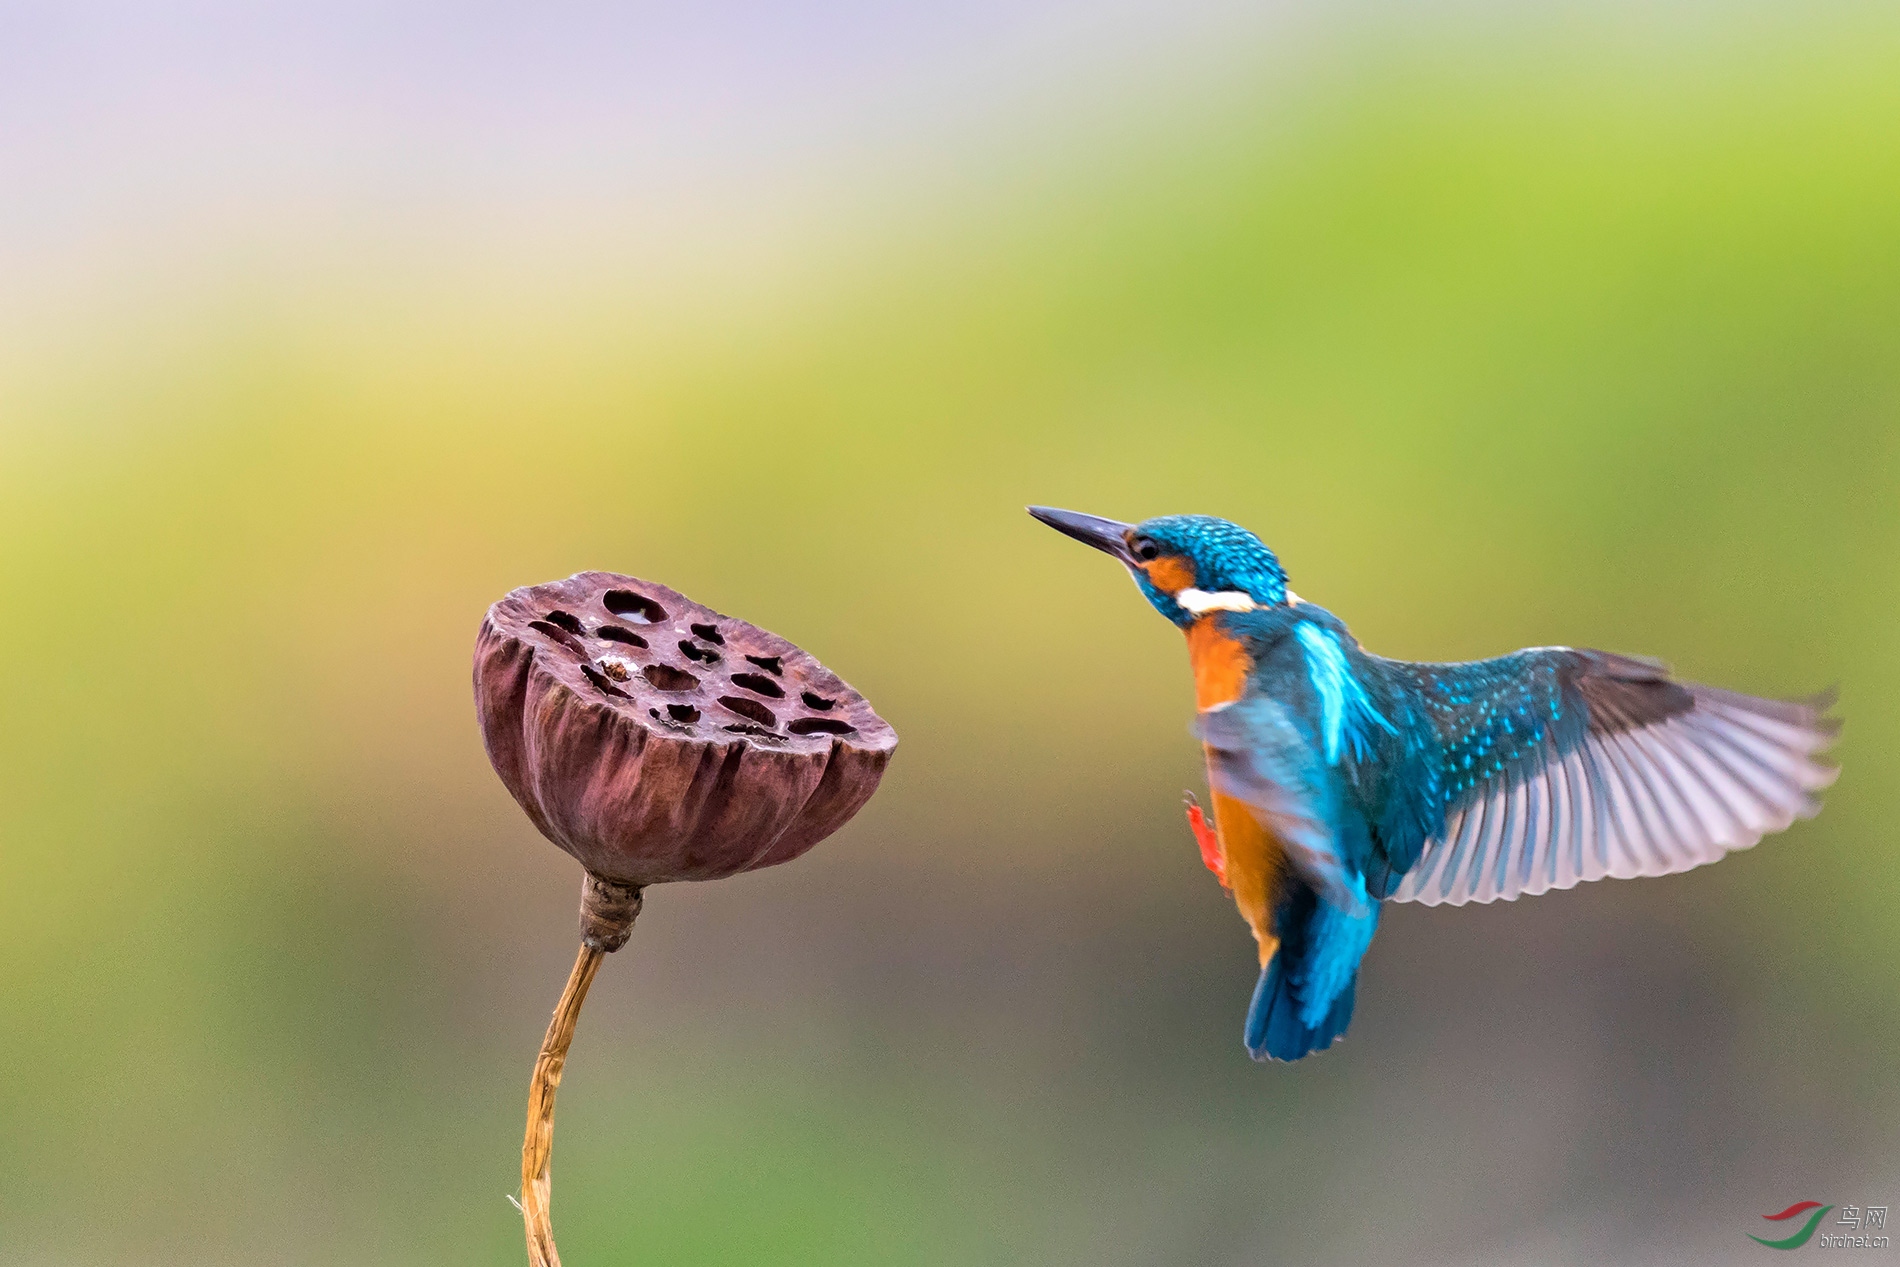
<point>1146,550</point>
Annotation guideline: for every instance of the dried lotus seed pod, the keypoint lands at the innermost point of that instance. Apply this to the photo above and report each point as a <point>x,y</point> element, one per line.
<point>655,739</point>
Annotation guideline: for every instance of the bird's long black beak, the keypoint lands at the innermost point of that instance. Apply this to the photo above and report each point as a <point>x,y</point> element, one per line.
<point>1107,535</point>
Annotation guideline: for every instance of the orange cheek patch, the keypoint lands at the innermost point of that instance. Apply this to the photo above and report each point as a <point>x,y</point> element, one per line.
<point>1170,574</point>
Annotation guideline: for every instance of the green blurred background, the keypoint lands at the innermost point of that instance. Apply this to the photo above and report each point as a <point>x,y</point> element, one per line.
<point>322,329</point>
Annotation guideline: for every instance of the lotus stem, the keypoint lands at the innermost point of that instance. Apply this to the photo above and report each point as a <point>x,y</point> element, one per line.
<point>607,914</point>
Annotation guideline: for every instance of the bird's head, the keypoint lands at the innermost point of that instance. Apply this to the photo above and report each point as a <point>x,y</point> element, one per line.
<point>1186,565</point>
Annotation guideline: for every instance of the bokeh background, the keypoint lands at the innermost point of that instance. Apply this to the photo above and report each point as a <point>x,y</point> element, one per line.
<point>322,326</point>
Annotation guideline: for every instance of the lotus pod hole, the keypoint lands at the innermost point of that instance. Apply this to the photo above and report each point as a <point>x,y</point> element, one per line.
<point>616,633</point>
<point>635,766</point>
<point>750,708</point>
<point>821,726</point>
<point>664,677</point>
<point>758,685</point>
<point>559,633</point>
<point>634,606</point>
<point>599,679</point>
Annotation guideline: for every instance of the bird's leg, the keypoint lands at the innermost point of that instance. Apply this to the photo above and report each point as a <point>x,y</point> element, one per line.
<point>1208,839</point>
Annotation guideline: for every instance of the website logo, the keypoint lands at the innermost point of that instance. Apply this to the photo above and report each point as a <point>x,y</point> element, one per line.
<point>1805,1234</point>
<point>1859,1220</point>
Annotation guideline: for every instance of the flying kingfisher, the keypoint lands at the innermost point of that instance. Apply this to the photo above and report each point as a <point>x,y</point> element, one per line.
<point>1342,779</point>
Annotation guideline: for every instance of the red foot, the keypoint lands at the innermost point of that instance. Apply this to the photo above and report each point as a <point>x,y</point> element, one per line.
<point>1205,836</point>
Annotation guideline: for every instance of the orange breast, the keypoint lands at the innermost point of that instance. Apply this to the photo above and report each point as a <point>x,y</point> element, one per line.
<point>1252,855</point>
<point>1220,663</point>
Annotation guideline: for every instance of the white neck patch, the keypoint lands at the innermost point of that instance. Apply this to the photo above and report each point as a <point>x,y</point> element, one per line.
<point>1200,602</point>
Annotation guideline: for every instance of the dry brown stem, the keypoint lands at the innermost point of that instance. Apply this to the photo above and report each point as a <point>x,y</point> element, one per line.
<point>607,914</point>
<point>538,1147</point>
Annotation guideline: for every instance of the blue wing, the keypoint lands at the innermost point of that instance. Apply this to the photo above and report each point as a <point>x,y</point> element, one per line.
<point>1349,721</point>
<point>1258,754</point>
<point>1554,766</point>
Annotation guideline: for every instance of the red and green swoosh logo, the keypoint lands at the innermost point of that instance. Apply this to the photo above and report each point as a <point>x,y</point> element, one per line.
<point>1806,1233</point>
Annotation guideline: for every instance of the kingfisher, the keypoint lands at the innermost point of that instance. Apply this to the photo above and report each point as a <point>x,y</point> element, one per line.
<point>1341,780</point>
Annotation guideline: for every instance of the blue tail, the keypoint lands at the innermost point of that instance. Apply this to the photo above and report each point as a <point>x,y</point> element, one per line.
<point>1274,1029</point>
<point>1319,953</point>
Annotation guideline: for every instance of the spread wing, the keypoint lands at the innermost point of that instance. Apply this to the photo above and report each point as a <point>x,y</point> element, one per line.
<point>1560,766</point>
